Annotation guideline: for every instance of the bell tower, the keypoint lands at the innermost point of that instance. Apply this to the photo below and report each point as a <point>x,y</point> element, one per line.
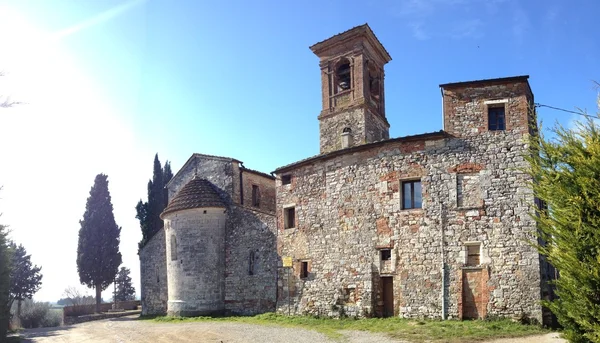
<point>352,87</point>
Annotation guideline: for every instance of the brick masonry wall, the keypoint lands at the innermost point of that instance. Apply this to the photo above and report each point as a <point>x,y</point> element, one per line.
<point>266,188</point>
<point>153,278</point>
<point>349,206</point>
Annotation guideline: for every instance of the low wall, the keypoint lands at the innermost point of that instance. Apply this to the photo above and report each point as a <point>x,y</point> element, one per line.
<point>98,316</point>
<point>82,310</point>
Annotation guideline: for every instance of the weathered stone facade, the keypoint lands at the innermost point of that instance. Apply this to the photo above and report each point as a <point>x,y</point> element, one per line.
<point>153,278</point>
<point>432,225</point>
<point>217,252</point>
<point>364,244</point>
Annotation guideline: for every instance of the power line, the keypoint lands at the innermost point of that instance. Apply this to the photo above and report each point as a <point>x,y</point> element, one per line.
<point>568,111</point>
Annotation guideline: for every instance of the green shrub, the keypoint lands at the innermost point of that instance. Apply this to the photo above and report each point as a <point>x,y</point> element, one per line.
<point>38,314</point>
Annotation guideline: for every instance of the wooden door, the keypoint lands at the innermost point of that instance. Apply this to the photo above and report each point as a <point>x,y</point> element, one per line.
<point>387,288</point>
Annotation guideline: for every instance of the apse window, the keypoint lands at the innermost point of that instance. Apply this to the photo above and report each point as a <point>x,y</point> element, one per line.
<point>173,248</point>
<point>473,254</point>
<point>304,269</point>
<point>496,118</point>
<point>286,179</point>
<point>411,195</point>
<point>289,217</point>
<point>255,196</point>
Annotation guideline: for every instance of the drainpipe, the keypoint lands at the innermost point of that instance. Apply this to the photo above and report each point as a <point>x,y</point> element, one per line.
<point>241,169</point>
<point>443,113</point>
<point>443,269</point>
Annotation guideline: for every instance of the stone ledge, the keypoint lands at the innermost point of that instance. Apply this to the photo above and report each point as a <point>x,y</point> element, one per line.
<point>98,316</point>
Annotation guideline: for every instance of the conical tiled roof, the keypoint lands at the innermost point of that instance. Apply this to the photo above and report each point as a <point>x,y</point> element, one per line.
<point>196,193</point>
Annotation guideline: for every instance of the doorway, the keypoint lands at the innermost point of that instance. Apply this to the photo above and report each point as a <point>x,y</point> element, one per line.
<point>387,292</point>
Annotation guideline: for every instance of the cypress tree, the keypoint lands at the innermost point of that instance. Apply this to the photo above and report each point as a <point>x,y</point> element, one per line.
<point>148,213</point>
<point>98,256</point>
<point>566,178</point>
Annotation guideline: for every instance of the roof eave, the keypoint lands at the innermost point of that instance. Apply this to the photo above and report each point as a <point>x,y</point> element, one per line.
<point>425,136</point>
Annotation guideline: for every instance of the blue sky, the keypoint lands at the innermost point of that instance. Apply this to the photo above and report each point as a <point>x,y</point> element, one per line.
<point>109,83</point>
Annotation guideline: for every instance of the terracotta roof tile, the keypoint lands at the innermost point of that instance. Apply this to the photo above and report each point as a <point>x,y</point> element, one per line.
<point>195,194</point>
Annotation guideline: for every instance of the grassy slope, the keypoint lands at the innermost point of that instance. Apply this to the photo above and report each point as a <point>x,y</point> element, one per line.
<point>412,330</point>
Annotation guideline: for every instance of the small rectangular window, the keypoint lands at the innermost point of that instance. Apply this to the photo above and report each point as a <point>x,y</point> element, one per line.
<point>304,269</point>
<point>411,194</point>
<point>473,254</point>
<point>286,179</point>
<point>289,217</point>
<point>496,119</point>
<point>173,248</point>
<point>386,254</point>
<point>255,196</point>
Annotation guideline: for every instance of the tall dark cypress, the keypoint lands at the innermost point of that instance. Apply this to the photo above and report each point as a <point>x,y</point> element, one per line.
<point>98,256</point>
<point>148,213</point>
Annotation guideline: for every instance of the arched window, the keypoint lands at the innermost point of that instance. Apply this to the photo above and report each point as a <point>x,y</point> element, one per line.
<point>343,79</point>
<point>347,130</point>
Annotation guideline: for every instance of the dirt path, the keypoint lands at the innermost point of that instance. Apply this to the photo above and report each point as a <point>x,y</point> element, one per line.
<point>130,330</point>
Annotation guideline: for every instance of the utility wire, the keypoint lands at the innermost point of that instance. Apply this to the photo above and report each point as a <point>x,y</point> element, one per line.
<point>568,111</point>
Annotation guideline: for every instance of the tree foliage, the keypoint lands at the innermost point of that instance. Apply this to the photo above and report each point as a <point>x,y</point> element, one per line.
<point>148,213</point>
<point>566,178</point>
<point>125,289</point>
<point>5,260</point>
<point>25,278</point>
<point>98,256</point>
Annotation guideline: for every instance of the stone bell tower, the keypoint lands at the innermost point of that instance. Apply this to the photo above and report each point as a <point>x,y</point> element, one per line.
<point>352,82</point>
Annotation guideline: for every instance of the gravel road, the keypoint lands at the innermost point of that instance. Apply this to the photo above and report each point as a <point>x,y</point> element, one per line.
<point>130,330</point>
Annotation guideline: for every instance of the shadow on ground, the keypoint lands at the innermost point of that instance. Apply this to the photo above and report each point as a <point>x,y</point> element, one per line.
<point>28,334</point>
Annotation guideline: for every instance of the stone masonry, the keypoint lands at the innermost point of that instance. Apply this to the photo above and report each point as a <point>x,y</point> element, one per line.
<point>432,225</point>
<point>217,252</point>
<point>463,252</point>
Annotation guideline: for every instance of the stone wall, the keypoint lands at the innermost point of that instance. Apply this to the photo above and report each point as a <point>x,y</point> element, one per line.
<point>195,242</point>
<point>332,126</point>
<point>218,170</point>
<point>153,278</point>
<point>251,261</point>
<point>348,208</point>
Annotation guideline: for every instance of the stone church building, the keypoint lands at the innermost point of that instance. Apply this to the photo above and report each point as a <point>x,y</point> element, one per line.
<point>431,225</point>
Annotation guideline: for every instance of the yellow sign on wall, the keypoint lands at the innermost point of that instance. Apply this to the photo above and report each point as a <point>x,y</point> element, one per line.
<point>287,261</point>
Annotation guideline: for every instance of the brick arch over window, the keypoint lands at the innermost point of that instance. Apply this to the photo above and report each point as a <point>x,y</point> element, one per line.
<point>342,75</point>
<point>465,168</point>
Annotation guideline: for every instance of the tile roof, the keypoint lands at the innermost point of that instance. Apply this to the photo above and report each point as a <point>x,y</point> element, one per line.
<point>499,79</point>
<point>364,27</point>
<point>196,193</point>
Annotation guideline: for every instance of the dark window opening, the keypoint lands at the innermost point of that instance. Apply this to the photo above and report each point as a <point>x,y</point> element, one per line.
<point>347,130</point>
<point>343,79</point>
<point>411,194</point>
<point>251,260</point>
<point>286,179</point>
<point>304,269</point>
<point>496,119</point>
<point>255,196</point>
<point>290,217</point>
<point>173,248</point>
<point>386,254</point>
<point>374,85</point>
<point>473,254</point>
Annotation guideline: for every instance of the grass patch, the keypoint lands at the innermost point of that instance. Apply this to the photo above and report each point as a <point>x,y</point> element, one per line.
<point>452,331</point>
